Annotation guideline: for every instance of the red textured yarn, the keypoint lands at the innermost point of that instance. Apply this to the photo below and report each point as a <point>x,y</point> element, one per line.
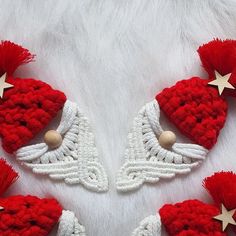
<point>191,218</point>
<point>12,56</point>
<point>28,216</point>
<point>7,176</point>
<point>196,109</point>
<point>220,55</point>
<point>222,188</point>
<point>25,110</point>
<point>29,106</point>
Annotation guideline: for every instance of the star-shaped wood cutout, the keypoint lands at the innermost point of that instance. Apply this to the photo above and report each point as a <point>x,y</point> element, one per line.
<point>3,84</point>
<point>226,217</point>
<point>222,82</point>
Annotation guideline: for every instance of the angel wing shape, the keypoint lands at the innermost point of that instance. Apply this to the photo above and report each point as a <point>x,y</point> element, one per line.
<point>146,160</point>
<point>150,226</point>
<point>76,160</point>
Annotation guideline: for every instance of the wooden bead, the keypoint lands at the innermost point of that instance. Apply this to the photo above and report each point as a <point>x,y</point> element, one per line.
<point>53,139</point>
<point>167,139</point>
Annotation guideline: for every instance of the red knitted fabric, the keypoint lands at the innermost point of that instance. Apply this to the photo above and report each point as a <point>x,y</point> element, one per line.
<point>28,216</point>
<point>25,110</point>
<point>191,218</point>
<point>196,109</point>
<point>29,106</point>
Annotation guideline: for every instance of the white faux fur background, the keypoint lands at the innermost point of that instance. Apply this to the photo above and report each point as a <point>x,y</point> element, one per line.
<point>111,57</point>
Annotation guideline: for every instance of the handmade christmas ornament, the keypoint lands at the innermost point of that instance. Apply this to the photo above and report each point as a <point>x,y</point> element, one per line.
<point>30,215</point>
<point>27,106</point>
<point>198,109</point>
<point>193,217</point>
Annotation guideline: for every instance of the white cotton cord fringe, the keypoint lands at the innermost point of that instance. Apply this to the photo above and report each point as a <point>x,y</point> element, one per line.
<point>76,160</point>
<point>150,226</point>
<point>69,225</point>
<point>146,160</point>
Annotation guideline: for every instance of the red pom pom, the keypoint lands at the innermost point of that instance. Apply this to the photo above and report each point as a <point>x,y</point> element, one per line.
<point>191,218</point>
<point>7,176</point>
<point>220,55</point>
<point>222,188</point>
<point>12,56</point>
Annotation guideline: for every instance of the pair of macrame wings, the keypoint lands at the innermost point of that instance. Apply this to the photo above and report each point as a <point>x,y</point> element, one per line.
<point>76,161</point>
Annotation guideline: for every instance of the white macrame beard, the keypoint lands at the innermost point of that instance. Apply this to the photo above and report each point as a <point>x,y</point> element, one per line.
<point>146,160</point>
<point>76,160</point>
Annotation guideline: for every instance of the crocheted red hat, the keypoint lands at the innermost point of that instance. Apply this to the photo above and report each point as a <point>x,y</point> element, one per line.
<point>193,217</point>
<point>28,105</point>
<point>30,215</point>
<point>25,215</point>
<point>196,107</point>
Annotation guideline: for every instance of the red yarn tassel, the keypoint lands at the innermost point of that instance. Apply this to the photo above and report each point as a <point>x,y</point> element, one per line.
<point>12,56</point>
<point>7,176</point>
<point>222,188</point>
<point>220,55</point>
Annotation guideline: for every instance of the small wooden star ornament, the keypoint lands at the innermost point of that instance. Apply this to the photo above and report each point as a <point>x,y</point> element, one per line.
<point>3,84</point>
<point>226,217</point>
<point>221,82</point>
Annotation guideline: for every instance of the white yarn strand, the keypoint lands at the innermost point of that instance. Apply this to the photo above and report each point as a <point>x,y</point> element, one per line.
<point>76,160</point>
<point>146,160</point>
<point>150,226</point>
<point>69,225</point>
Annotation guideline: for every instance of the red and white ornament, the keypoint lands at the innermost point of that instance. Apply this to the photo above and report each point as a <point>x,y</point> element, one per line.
<point>194,217</point>
<point>27,106</point>
<point>196,106</point>
<point>31,215</point>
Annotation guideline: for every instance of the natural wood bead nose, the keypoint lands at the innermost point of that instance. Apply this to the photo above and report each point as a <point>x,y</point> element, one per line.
<point>53,139</point>
<point>167,139</point>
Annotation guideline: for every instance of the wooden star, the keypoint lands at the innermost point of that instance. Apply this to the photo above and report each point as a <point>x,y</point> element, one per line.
<point>3,84</point>
<point>226,217</point>
<point>222,82</point>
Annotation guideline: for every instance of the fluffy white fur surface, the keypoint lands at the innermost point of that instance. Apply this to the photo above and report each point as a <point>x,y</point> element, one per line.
<point>112,57</point>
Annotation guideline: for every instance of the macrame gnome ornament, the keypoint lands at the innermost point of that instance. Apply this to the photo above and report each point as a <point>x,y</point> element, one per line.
<point>30,215</point>
<point>27,106</point>
<point>193,217</point>
<point>196,106</point>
